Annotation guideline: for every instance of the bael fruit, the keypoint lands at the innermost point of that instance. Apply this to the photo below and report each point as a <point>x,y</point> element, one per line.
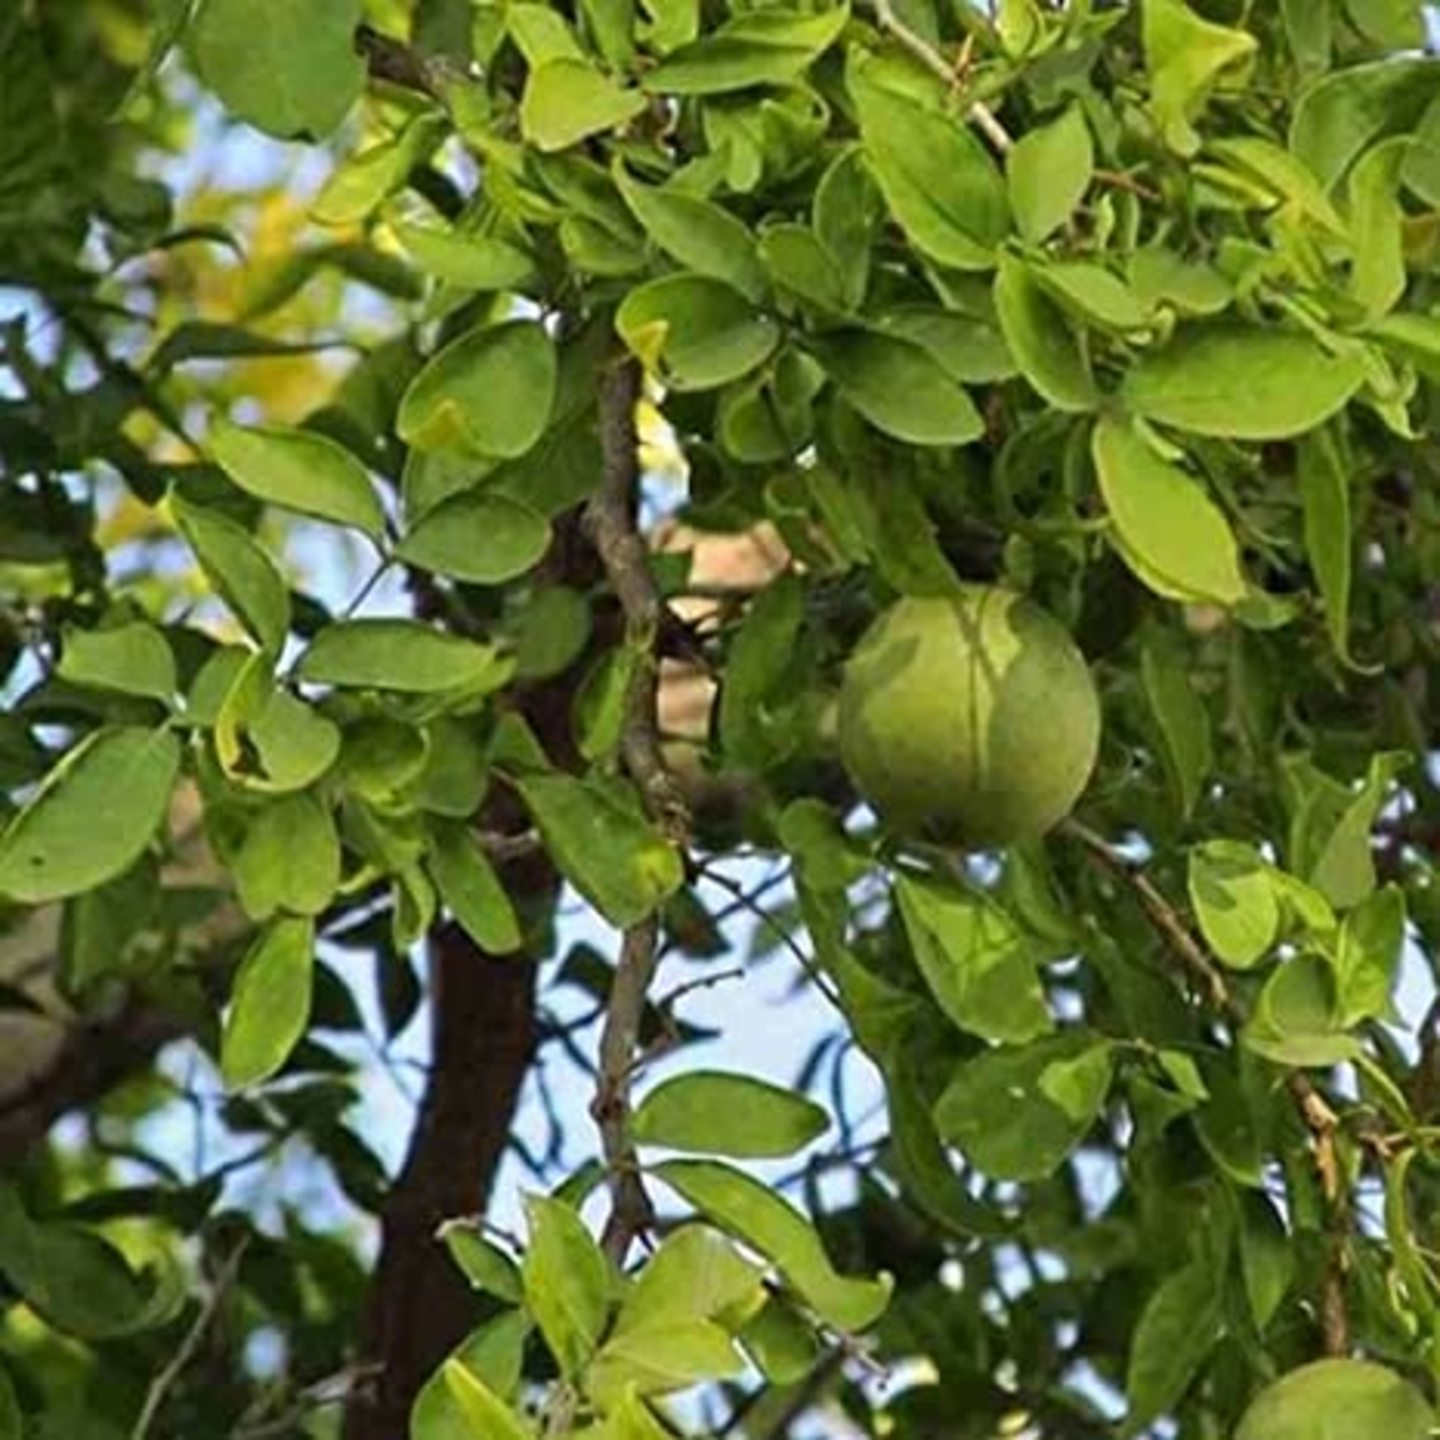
<point>970,719</point>
<point>1338,1400</point>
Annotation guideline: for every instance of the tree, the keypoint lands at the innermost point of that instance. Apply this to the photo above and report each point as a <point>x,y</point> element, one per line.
<point>1123,307</point>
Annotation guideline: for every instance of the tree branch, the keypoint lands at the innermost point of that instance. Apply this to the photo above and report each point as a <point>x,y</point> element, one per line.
<point>161,1385</point>
<point>92,1060</point>
<point>397,64</point>
<point>980,115</point>
<point>610,522</point>
<point>1315,1111</point>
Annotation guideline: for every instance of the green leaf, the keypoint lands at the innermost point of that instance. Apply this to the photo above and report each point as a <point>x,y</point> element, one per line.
<point>477,536</point>
<point>493,1355</point>
<point>1367,957</point>
<point>671,23</point>
<point>1042,340</point>
<point>1093,295</point>
<point>289,67</point>
<point>100,928</point>
<point>1336,119</point>
<point>612,24</point>
<point>541,34</point>
<point>1310,30</point>
<point>489,392</point>
<point>1284,174</point>
<point>1188,58</point>
<point>1267,1262</point>
<point>301,471</point>
<point>357,188</point>
<point>1242,382</point>
<point>696,1273</point>
<point>1048,172</point>
<point>631,1420</point>
<point>1297,1019</point>
<point>289,858</point>
<point>1170,532</point>
<point>134,659</point>
<point>291,745</point>
<point>1377,278</point>
<point>1177,1330</point>
<point>707,1112</point>
<point>1235,901</point>
<point>697,333</point>
<point>568,100</point>
<point>998,1110</point>
<point>471,262</point>
<point>92,817</point>
<point>825,856</point>
<point>751,709</point>
<point>1420,172</point>
<point>759,1218</point>
<point>1161,277</point>
<point>239,569</point>
<point>1391,24</point>
<point>1325,497</point>
<point>696,234</point>
<point>603,845</point>
<point>899,387</point>
<point>488,1417</point>
<point>270,1005</point>
<point>75,1279</point>
<point>568,1282</point>
<point>12,1420</point>
<point>1180,716</point>
<point>484,1264</point>
<point>971,350</point>
<point>758,47</point>
<point>382,757</point>
<point>940,184</point>
<point>403,655</point>
<point>847,214</point>
<point>672,1354</point>
<point>1341,1400</point>
<point>922,1165</point>
<point>472,891</point>
<point>976,961</point>
<point>799,264</point>
<point>1331,835</point>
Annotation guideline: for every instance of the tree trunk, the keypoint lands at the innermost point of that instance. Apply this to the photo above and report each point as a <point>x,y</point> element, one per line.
<point>483,1027</point>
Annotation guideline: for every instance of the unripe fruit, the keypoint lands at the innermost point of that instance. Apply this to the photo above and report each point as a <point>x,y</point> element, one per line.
<point>969,720</point>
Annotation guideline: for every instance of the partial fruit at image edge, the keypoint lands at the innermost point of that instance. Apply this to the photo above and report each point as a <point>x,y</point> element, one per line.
<point>970,720</point>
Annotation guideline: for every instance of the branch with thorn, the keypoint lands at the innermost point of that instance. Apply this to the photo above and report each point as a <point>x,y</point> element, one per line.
<point>1315,1111</point>
<point>612,526</point>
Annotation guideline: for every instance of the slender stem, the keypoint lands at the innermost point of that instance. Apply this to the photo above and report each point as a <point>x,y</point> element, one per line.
<point>162,1384</point>
<point>610,522</point>
<point>980,115</point>
<point>1315,1111</point>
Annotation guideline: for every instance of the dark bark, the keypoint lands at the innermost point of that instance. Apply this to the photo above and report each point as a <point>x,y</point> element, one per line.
<point>92,1060</point>
<point>483,1026</point>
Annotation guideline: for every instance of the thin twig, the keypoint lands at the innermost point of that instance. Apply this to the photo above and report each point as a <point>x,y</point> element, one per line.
<point>1166,919</point>
<point>980,115</point>
<point>161,1385</point>
<point>611,523</point>
<point>746,903</point>
<point>1315,1111</point>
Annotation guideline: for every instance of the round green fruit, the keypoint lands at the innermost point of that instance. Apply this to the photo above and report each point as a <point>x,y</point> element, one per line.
<point>970,720</point>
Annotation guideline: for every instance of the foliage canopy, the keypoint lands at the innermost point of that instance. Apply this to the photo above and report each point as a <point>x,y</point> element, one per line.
<point>1126,307</point>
